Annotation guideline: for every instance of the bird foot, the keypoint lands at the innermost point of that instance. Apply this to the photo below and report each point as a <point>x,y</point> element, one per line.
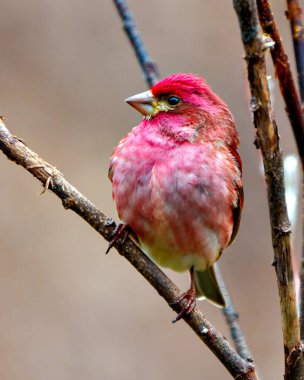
<point>121,230</point>
<point>188,307</point>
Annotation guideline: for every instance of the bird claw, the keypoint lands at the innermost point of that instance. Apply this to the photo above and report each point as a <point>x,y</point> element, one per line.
<point>188,307</point>
<point>121,230</point>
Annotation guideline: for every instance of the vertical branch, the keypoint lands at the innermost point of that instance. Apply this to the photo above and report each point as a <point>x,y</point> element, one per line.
<point>148,67</point>
<point>289,92</point>
<point>267,139</point>
<point>294,15</point>
<point>151,73</point>
<point>284,75</point>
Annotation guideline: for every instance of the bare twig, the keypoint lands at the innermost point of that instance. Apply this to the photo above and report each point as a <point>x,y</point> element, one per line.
<point>151,78</point>
<point>294,15</point>
<point>232,318</point>
<point>149,68</point>
<point>284,75</point>
<point>72,199</point>
<point>267,139</point>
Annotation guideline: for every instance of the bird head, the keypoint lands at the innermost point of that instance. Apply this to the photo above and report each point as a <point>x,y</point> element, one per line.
<point>183,104</point>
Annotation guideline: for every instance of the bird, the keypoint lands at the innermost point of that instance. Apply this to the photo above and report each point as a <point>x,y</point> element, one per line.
<point>177,182</point>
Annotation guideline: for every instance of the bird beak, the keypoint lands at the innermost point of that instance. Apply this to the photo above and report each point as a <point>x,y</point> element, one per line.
<point>144,102</point>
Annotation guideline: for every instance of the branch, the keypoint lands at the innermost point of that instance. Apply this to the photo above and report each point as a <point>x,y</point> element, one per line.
<point>284,75</point>
<point>148,67</point>
<point>294,15</point>
<point>292,103</point>
<point>231,315</point>
<point>72,199</point>
<point>267,139</point>
<point>232,319</point>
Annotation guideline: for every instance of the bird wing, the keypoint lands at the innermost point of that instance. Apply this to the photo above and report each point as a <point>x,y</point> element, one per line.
<point>236,208</point>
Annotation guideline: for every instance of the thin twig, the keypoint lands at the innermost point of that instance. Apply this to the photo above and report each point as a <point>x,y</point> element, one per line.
<point>72,199</point>
<point>267,139</point>
<point>284,75</point>
<point>143,56</point>
<point>232,319</point>
<point>149,68</point>
<point>294,14</point>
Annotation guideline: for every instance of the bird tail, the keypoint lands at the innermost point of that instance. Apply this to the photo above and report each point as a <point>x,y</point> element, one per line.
<point>207,286</point>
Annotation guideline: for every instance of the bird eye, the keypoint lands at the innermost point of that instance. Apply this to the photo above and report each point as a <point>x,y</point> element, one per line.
<point>173,100</point>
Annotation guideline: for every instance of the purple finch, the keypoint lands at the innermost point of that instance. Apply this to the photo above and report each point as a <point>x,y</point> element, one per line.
<point>177,180</point>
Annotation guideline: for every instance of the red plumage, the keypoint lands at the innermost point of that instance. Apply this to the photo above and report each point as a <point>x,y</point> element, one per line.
<point>177,179</point>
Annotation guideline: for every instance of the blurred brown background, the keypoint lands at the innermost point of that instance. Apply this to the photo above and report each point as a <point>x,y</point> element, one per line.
<point>67,310</point>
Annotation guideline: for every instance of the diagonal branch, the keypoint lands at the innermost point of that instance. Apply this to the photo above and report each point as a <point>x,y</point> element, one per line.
<point>72,199</point>
<point>232,319</point>
<point>267,139</point>
<point>148,67</point>
<point>151,73</point>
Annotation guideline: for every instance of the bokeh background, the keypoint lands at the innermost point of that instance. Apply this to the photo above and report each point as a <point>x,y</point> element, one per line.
<point>67,310</point>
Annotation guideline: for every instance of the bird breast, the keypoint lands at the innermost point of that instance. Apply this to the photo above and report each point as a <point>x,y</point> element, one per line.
<point>177,200</point>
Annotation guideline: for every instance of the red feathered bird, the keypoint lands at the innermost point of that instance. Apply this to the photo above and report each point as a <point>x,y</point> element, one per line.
<point>177,180</point>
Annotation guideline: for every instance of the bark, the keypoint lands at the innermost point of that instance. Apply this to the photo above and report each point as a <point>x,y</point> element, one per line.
<point>267,139</point>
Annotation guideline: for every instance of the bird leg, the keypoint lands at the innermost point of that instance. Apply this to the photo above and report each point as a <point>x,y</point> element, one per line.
<point>189,295</point>
<point>121,230</point>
